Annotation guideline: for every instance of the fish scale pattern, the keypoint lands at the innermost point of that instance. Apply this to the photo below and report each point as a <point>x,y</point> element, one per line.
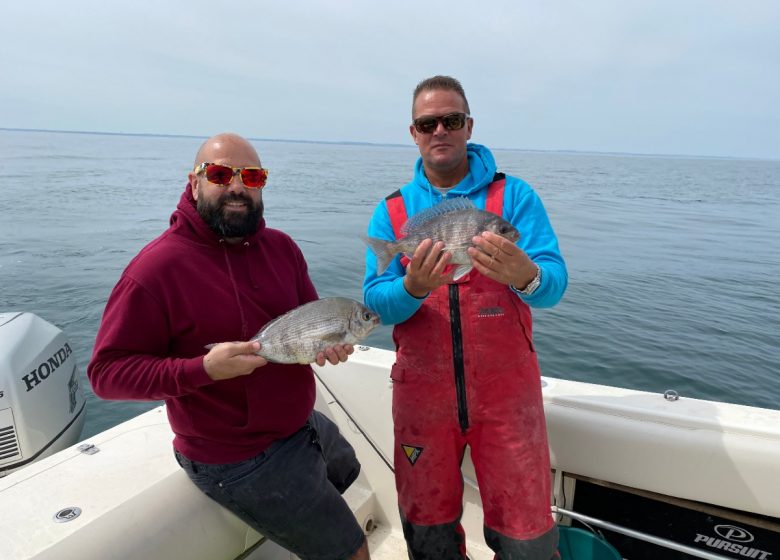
<point>299,335</point>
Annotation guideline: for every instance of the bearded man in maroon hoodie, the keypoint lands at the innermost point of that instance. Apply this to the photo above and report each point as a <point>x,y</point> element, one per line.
<point>245,429</point>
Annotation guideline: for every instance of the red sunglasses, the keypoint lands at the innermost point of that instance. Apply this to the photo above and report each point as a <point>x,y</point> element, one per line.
<point>252,177</point>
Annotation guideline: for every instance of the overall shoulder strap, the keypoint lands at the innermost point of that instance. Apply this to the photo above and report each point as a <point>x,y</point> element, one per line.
<point>397,211</point>
<point>495,195</point>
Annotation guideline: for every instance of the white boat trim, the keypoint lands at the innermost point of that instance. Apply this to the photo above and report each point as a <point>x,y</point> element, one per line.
<point>136,502</point>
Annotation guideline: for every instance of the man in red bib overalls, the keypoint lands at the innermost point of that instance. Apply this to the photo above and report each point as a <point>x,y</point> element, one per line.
<point>466,371</point>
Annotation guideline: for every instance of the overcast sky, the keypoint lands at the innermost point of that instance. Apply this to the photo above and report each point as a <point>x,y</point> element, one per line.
<point>669,77</point>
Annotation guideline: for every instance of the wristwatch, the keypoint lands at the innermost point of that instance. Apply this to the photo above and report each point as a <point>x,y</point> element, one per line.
<point>532,285</point>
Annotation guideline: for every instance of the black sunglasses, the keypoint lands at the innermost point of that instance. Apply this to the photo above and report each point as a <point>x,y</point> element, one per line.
<point>452,121</point>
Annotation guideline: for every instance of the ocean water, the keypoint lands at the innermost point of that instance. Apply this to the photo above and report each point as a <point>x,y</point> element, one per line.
<point>674,262</point>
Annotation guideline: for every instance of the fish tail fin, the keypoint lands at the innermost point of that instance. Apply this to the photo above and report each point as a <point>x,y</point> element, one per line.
<point>213,344</point>
<point>384,250</point>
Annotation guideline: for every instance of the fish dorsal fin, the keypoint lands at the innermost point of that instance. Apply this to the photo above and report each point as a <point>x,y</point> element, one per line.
<point>444,207</point>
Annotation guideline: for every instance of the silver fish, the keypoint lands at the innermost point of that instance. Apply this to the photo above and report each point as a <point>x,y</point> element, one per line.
<point>299,335</point>
<point>454,221</point>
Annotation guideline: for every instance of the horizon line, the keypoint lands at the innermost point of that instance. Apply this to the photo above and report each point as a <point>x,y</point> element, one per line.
<point>388,144</point>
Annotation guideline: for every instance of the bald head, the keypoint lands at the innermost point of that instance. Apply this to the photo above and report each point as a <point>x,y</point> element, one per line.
<point>227,148</point>
<point>231,210</point>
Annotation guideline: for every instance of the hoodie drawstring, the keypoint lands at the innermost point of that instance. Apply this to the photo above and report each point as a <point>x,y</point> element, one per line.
<point>244,329</point>
<point>248,265</point>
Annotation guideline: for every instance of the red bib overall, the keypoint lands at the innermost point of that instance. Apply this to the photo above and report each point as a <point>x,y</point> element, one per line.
<point>466,373</point>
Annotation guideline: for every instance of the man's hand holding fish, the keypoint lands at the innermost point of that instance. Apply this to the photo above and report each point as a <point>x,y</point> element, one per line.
<point>425,271</point>
<point>334,354</point>
<point>232,359</point>
<point>497,258</point>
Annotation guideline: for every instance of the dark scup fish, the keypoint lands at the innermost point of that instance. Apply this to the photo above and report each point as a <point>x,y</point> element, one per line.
<point>300,334</point>
<point>454,221</point>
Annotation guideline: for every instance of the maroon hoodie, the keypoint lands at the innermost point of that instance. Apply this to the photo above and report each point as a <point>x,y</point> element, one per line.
<point>186,289</point>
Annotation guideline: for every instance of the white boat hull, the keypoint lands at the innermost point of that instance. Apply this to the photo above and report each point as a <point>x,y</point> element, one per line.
<point>138,504</point>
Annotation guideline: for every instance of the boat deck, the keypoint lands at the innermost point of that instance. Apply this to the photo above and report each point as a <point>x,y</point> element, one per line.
<point>136,502</point>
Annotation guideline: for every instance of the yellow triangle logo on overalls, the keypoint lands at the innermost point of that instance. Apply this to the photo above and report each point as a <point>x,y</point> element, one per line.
<point>412,453</point>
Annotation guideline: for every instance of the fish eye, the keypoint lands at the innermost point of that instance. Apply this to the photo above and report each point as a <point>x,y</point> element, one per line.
<point>366,316</point>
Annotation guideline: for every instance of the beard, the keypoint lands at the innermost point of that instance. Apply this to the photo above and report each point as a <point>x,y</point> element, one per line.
<point>229,224</point>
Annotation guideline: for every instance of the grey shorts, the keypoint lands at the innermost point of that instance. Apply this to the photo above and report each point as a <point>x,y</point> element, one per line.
<point>291,492</point>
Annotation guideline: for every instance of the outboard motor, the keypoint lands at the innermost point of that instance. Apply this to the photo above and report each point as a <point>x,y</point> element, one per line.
<point>42,405</point>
